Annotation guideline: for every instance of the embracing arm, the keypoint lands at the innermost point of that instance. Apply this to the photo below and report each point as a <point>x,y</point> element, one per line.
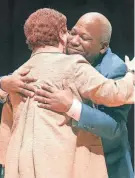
<point>105,122</point>
<point>5,130</point>
<point>92,85</point>
<point>16,82</point>
<point>105,125</point>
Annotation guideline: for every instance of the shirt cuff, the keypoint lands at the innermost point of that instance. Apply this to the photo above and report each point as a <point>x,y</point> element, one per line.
<point>75,110</point>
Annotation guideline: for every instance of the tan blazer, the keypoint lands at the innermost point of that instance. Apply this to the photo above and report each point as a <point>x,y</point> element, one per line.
<point>32,145</point>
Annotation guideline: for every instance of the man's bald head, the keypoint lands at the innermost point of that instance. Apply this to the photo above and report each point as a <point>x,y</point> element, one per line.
<point>98,21</point>
<point>90,36</point>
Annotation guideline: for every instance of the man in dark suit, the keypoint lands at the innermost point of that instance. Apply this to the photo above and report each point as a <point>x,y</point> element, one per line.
<point>90,37</point>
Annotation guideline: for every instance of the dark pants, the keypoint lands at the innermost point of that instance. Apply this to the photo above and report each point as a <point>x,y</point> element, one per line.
<point>1,172</point>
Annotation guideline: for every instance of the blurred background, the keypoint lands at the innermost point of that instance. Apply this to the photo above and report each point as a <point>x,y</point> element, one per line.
<point>13,13</point>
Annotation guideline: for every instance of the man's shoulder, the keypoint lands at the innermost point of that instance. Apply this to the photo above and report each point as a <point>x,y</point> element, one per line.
<point>112,65</point>
<point>112,60</point>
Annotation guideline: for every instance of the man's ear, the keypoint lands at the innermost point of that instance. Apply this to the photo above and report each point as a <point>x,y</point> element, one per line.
<point>104,47</point>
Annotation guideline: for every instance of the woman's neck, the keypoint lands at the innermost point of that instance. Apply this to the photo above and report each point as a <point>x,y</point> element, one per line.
<point>48,49</point>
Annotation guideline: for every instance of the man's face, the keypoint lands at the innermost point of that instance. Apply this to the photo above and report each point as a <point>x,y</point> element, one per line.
<point>84,39</point>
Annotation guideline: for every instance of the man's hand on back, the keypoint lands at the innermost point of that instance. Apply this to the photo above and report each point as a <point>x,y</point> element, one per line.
<point>18,82</point>
<point>54,99</point>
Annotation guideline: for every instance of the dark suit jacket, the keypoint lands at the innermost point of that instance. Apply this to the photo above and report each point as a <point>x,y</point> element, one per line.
<point>110,123</point>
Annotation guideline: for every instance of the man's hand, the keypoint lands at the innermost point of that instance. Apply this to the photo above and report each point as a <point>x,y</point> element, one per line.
<point>18,82</point>
<point>130,64</point>
<point>54,99</point>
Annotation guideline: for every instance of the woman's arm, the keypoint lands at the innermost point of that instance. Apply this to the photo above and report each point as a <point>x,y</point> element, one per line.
<point>5,130</point>
<point>94,86</point>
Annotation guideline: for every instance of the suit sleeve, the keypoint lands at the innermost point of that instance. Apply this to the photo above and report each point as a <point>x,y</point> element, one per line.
<point>105,122</point>
<point>94,86</point>
<point>99,122</point>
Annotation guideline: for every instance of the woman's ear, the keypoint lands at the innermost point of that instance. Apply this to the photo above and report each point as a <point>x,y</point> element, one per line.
<point>63,38</point>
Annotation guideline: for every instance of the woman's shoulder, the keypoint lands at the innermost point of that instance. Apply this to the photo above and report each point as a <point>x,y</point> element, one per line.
<point>76,58</point>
